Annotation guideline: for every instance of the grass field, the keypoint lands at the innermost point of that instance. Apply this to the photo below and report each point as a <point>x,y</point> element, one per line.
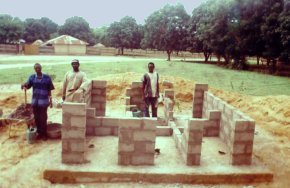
<point>250,83</point>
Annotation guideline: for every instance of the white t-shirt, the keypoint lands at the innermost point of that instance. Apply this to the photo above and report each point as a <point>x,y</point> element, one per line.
<point>153,79</point>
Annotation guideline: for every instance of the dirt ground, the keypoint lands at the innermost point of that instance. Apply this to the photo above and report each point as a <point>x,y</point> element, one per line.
<point>21,164</point>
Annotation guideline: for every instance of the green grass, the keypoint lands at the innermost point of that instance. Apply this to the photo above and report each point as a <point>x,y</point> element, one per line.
<point>250,83</point>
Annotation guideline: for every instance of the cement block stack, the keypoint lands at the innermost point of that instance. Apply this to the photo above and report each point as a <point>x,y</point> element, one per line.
<point>191,141</point>
<point>73,133</point>
<point>242,147</point>
<point>198,97</point>
<point>212,125</point>
<point>98,96</point>
<point>136,95</point>
<point>136,141</point>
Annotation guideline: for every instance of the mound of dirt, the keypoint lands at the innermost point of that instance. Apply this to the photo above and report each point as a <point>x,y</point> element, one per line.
<point>23,111</point>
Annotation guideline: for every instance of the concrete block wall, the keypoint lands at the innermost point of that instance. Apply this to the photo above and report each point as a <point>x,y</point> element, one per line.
<point>98,97</point>
<point>136,144</point>
<point>134,97</point>
<point>236,128</point>
<point>212,125</point>
<point>189,142</point>
<point>102,126</point>
<point>197,105</point>
<point>73,133</point>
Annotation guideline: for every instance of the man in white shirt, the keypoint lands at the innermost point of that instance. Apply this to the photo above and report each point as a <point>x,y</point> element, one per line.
<point>150,90</point>
<point>75,83</point>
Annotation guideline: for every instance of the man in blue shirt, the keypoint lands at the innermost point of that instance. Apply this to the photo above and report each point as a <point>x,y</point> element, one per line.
<point>41,98</point>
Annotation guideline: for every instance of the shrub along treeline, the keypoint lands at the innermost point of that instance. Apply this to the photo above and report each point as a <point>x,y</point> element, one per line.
<point>229,29</point>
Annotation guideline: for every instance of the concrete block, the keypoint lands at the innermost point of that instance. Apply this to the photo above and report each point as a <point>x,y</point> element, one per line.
<point>66,120</point>
<point>238,148</point>
<point>103,131</point>
<point>241,125</point>
<point>100,112</point>
<point>73,133</point>
<point>99,84</point>
<point>111,122</point>
<point>78,145</point>
<point>98,99</point>
<point>203,87</point>
<point>96,92</point>
<point>128,92</point>
<point>150,147</point>
<point>122,147</point>
<point>196,124</point>
<point>125,136</point>
<point>164,131</point>
<point>143,159</point>
<point>241,159</point>
<point>244,136</point>
<point>144,135</point>
<point>149,123</point>
<point>136,85</point>
<point>198,94</point>
<point>91,112</point>
<point>78,121</point>
<point>95,105</point>
<point>193,160</point>
<point>115,131</point>
<point>139,147</point>
<point>132,123</point>
<point>194,149</point>
<point>95,121</point>
<point>198,101</point>
<point>74,108</point>
<point>73,157</point>
<point>214,115</point>
<point>65,146</point>
<point>124,158</point>
<point>90,131</point>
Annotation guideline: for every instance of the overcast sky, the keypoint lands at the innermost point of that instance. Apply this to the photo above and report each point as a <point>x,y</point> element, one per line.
<point>96,12</point>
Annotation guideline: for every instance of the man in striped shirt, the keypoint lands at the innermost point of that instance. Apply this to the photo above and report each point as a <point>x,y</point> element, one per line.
<point>41,98</point>
<point>150,90</point>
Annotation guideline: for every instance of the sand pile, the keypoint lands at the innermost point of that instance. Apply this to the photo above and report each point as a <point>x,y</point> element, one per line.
<point>23,111</point>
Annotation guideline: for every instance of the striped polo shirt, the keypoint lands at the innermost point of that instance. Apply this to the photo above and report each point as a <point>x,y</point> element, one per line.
<point>41,88</point>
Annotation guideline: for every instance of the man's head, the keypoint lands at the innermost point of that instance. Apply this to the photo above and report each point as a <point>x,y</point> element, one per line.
<point>151,67</point>
<point>37,68</point>
<point>75,65</point>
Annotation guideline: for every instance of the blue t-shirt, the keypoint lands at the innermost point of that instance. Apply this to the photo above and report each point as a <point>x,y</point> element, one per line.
<point>41,88</point>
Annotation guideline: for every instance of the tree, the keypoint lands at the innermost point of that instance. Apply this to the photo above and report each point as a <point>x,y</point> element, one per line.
<point>38,29</point>
<point>166,28</point>
<point>125,34</point>
<point>270,34</point>
<point>284,29</point>
<point>77,27</point>
<point>199,30</point>
<point>11,29</point>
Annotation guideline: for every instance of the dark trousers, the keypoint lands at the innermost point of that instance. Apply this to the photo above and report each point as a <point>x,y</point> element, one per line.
<point>40,118</point>
<point>153,101</point>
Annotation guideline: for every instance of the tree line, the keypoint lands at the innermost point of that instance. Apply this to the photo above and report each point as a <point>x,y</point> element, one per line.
<point>229,29</point>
